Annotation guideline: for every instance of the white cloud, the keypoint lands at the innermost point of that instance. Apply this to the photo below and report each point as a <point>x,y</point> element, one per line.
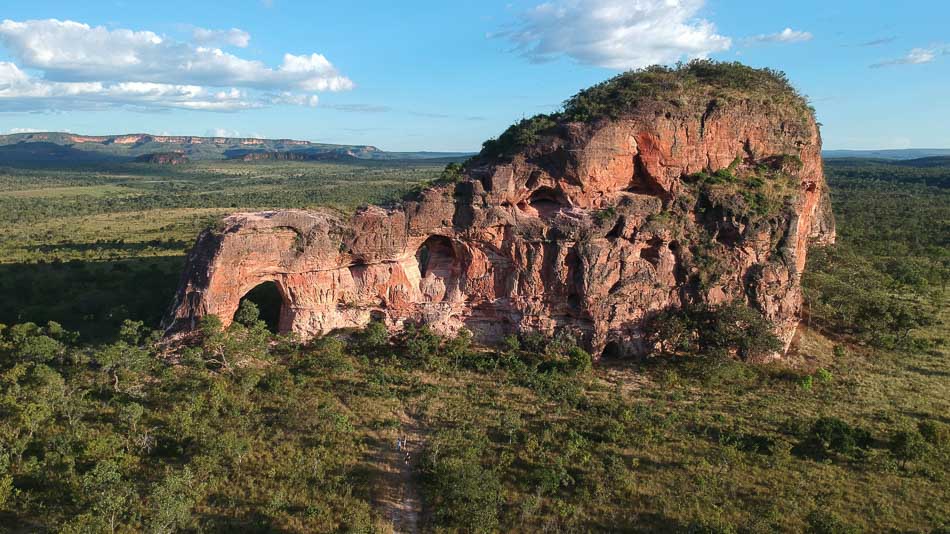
<point>360,108</point>
<point>916,56</point>
<point>222,132</point>
<point>295,99</point>
<point>879,41</point>
<point>21,92</point>
<point>233,37</point>
<point>617,34</point>
<point>787,35</point>
<point>83,66</point>
<point>23,130</point>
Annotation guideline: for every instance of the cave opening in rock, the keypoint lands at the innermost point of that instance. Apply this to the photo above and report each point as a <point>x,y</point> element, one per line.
<point>438,267</point>
<point>544,202</point>
<point>267,298</point>
<point>612,351</point>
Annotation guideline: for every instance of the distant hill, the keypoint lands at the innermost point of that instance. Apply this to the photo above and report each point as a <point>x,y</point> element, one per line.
<point>932,161</point>
<point>895,154</point>
<point>59,147</point>
<point>933,171</point>
<point>921,163</point>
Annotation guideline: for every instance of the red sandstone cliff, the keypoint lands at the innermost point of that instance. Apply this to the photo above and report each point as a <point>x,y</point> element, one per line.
<point>591,228</point>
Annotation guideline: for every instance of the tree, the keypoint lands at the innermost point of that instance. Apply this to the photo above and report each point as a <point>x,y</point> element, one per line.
<point>719,331</point>
<point>908,446</point>
<point>579,361</point>
<point>247,314</point>
<point>107,492</point>
<point>171,502</point>
<point>373,341</point>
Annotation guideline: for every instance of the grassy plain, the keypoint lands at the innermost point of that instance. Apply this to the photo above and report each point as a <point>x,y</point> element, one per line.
<point>90,246</point>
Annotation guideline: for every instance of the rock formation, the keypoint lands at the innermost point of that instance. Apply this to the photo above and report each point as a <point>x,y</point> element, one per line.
<point>163,158</point>
<point>586,222</point>
<point>287,155</point>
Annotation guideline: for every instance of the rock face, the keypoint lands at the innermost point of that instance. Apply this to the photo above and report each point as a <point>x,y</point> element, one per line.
<point>163,158</point>
<point>590,229</point>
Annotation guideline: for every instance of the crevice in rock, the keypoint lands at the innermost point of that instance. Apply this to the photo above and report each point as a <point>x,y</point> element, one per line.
<point>710,108</point>
<point>750,155</point>
<point>680,273</point>
<point>643,182</point>
<point>617,230</point>
<point>651,252</point>
<point>438,268</point>
<point>728,233</point>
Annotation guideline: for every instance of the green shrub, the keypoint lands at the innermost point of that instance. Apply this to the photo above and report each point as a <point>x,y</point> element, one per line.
<point>524,133</point>
<point>806,382</point>
<point>171,502</point>
<point>717,331</point>
<point>825,522</point>
<point>463,493</point>
<point>579,361</point>
<point>420,344</point>
<point>247,313</point>
<point>908,446</point>
<point>935,432</point>
<point>832,435</point>
<point>605,215</point>
<point>372,341</point>
<point>823,375</point>
<point>451,174</point>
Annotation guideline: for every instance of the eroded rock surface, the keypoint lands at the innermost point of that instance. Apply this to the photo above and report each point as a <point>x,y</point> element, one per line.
<point>589,230</point>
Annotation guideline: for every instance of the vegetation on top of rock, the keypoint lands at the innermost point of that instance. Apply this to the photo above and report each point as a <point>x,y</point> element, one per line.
<point>622,94</point>
<point>524,133</point>
<point>451,174</point>
<point>701,77</point>
<point>752,193</point>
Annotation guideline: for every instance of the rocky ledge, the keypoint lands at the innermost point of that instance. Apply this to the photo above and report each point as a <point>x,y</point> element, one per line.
<point>654,190</point>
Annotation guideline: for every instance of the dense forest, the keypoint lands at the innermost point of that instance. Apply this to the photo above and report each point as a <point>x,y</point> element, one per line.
<point>103,430</point>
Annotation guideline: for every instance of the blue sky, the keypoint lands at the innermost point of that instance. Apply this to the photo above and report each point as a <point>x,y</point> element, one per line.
<point>447,75</point>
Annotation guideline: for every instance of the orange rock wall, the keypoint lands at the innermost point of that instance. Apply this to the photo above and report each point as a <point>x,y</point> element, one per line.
<point>522,244</point>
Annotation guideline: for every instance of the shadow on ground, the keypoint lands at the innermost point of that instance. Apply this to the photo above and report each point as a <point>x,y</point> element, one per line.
<point>92,297</point>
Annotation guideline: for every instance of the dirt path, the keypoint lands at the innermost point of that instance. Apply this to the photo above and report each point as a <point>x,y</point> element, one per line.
<point>397,495</point>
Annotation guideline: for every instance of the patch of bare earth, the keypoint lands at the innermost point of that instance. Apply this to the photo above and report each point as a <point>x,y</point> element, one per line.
<point>396,494</point>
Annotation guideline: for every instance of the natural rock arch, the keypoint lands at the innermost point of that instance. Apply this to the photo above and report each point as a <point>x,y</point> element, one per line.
<point>270,303</point>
